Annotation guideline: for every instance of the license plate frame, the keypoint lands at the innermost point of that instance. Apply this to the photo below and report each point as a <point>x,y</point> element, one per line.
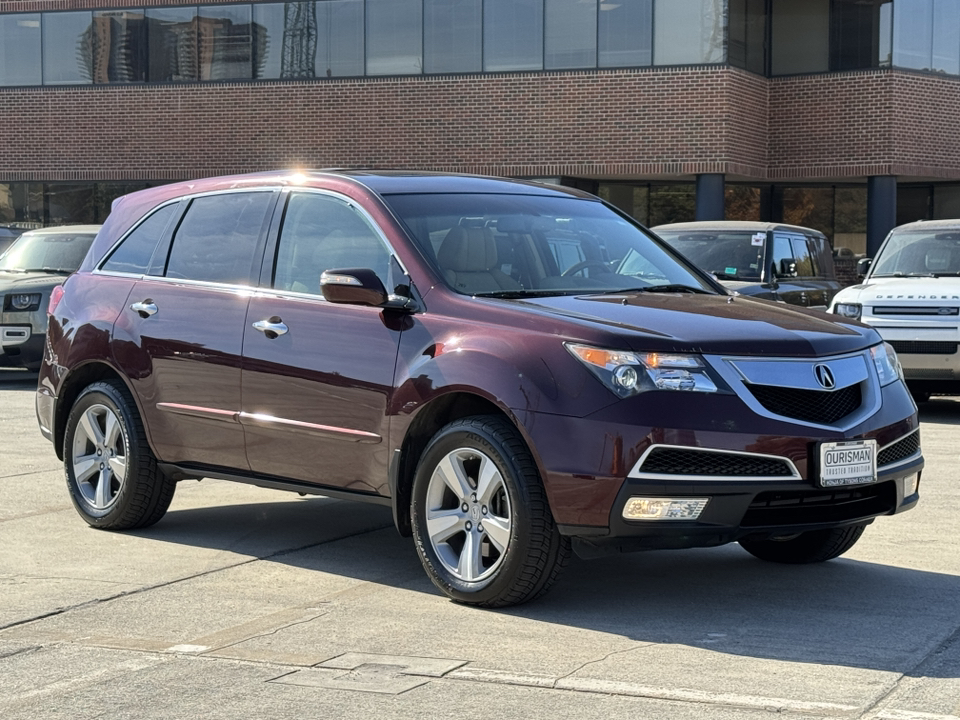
<point>848,463</point>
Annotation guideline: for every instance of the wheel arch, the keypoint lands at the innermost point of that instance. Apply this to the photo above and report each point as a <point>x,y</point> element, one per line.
<point>428,420</point>
<point>70,389</point>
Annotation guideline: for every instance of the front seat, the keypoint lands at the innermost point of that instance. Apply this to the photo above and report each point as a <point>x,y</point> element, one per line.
<point>468,258</point>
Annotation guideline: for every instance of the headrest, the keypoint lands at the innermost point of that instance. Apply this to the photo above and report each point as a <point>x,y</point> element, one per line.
<point>467,249</point>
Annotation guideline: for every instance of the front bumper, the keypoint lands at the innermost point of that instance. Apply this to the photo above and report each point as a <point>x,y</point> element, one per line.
<point>20,346</point>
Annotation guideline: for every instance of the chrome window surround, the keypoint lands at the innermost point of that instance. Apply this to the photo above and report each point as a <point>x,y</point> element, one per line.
<point>798,373</point>
<point>98,269</point>
<point>902,461</point>
<point>635,472</point>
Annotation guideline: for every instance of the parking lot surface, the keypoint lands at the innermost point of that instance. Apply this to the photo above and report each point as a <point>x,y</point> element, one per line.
<point>245,602</point>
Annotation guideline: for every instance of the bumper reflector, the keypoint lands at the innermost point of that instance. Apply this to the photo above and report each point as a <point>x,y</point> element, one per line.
<point>641,508</point>
<point>910,484</point>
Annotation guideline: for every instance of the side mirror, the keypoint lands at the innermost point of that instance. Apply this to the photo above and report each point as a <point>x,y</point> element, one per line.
<point>353,286</point>
<point>863,266</point>
<point>788,268</point>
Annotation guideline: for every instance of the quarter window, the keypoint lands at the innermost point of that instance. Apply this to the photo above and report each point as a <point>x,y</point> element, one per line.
<point>134,253</point>
<point>321,232</point>
<point>218,238</point>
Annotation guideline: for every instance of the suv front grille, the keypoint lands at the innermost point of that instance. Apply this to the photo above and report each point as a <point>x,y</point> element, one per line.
<point>924,347</point>
<point>680,461</point>
<point>815,406</point>
<point>803,507</point>
<point>901,449</point>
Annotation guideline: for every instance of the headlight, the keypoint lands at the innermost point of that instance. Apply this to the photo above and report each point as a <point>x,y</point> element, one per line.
<point>887,364</point>
<point>629,373</point>
<point>23,301</point>
<point>848,310</point>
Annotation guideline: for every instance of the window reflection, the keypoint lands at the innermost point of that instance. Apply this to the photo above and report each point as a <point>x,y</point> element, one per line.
<point>452,36</point>
<point>119,47</point>
<point>340,44</point>
<point>67,48</point>
<point>20,49</point>
<point>172,40</point>
<point>860,34</point>
<point>625,33</point>
<point>689,32</point>
<point>224,42</point>
<point>512,35</point>
<point>927,35</point>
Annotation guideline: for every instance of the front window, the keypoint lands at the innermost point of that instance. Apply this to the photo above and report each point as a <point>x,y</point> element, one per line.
<point>727,255</point>
<point>44,252</point>
<point>526,245</point>
<point>926,253</point>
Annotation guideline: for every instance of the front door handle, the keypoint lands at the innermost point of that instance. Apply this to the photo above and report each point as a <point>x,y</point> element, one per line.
<point>144,309</point>
<point>272,328</point>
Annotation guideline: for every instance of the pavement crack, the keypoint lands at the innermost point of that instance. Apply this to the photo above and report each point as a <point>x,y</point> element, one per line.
<point>600,660</point>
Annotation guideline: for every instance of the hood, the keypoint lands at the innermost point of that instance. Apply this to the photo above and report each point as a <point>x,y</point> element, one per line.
<point>905,291</point>
<point>11,282</point>
<point>746,287</point>
<point>712,324</point>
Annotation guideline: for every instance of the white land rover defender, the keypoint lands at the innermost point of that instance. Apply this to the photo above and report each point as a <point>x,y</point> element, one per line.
<point>911,295</point>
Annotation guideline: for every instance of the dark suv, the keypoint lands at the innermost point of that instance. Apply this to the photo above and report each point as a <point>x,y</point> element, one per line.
<point>772,261</point>
<point>516,369</point>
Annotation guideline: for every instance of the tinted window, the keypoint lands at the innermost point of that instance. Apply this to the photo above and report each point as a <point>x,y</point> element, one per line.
<point>512,35</point>
<point>452,36</point>
<point>801,256</point>
<point>320,233</point>
<point>860,34</point>
<point>224,42</point>
<point>134,253</point>
<point>394,37</point>
<point>782,254</point>
<point>120,46</point>
<point>172,39</point>
<point>570,34</point>
<point>218,238</point>
<point>20,49</point>
<point>625,33</point>
<point>689,32</point>
<point>800,31</point>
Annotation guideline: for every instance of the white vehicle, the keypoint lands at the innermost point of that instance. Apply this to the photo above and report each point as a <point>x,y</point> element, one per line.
<point>911,296</point>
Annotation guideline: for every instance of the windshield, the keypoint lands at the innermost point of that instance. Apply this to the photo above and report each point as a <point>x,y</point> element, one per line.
<point>728,255</point>
<point>530,245</point>
<point>919,254</point>
<point>57,252</point>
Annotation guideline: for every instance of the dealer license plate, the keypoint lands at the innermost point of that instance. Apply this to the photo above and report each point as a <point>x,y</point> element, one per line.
<point>848,463</point>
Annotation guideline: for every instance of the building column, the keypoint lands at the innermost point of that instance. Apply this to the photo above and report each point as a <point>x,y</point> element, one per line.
<point>710,199</point>
<point>881,210</point>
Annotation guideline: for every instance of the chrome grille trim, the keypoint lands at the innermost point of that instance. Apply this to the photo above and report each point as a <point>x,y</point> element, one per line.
<point>636,471</point>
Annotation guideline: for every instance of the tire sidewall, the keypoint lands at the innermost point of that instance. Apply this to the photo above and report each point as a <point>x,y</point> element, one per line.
<point>454,437</point>
<point>107,395</point>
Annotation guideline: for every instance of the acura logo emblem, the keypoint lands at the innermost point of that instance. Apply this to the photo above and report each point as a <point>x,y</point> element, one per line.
<point>824,377</point>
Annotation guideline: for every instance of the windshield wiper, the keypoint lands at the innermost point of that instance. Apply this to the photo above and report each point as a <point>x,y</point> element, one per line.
<point>906,275</point>
<point>57,271</point>
<point>669,288</point>
<point>516,294</point>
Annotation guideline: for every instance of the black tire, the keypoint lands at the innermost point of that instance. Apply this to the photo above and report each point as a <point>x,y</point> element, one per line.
<point>534,552</point>
<point>129,490</point>
<point>810,547</point>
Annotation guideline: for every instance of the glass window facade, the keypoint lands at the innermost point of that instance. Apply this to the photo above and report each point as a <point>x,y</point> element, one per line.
<point>20,62</point>
<point>747,35</point>
<point>625,33</point>
<point>926,35</point>
<point>225,42</point>
<point>67,48</point>
<point>172,44</point>
<point>119,46</point>
<point>800,36</point>
<point>394,37</point>
<point>512,35</point>
<point>569,34</point>
<point>452,37</point>
<point>860,34</point>
<point>689,32</point>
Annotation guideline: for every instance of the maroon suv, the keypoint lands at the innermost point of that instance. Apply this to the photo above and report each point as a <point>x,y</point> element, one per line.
<point>516,369</point>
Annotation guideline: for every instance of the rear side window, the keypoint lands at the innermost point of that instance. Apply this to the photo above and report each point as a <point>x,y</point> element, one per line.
<point>134,253</point>
<point>801,255</point>
<point>218,238</point>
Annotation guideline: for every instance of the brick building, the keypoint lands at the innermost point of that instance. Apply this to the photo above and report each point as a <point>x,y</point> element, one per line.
<point>839,114</point>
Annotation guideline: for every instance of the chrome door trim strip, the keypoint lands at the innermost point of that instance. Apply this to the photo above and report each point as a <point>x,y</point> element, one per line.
<point>200,412</point>
<point>636,473</point>
<point>337,433</point>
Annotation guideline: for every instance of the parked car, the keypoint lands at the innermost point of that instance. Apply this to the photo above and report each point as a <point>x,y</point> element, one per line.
<point>433,343</point>
<point>766,260</point>
<point>35,263</point>
<point>7,236</point>
<point>911,296</point>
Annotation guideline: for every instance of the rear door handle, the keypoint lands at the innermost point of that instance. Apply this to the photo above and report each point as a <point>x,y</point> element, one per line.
<point>144,309</point>
<point>272,328</point>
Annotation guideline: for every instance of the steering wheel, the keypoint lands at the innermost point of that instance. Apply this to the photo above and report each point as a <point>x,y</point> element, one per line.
<point>583,265</point>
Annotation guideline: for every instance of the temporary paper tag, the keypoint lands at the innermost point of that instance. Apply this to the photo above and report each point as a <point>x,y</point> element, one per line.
<point>758,239</point>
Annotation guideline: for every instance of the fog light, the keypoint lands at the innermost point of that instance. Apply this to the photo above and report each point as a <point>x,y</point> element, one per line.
<point>910,484</point>
<point>626,377</point>
<point>639,508</point>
